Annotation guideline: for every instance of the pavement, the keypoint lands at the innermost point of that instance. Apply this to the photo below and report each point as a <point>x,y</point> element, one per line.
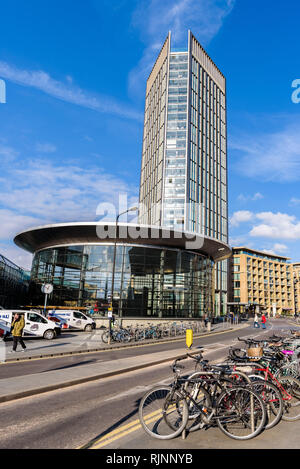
<point>29,385</point>
<point>70,343</point>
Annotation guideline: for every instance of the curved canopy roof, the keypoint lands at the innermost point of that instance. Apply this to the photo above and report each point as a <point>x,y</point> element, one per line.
<point>64,234</point>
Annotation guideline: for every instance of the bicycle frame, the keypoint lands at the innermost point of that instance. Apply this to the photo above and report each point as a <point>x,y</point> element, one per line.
<point>268,374</point>
<point>208,414</point>
<point>191,397</point>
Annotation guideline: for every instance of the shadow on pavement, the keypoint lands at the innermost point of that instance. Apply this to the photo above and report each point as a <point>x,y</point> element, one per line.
<point>114,426</point>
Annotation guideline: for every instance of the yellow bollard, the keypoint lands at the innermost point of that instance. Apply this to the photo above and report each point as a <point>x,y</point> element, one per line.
<point>189,338</point>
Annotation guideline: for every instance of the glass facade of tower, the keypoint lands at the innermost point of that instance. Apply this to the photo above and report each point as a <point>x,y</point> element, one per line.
<point>207,181</point>
<point>151,182</point>
<point>175,176</point>
<point>186,133</point>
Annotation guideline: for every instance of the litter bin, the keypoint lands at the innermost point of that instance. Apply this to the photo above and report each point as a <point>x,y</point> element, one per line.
<point>208,326</point>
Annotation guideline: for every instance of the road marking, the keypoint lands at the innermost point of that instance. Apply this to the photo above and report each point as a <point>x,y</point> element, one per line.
<point>117,433</point>
<point>127,432</point>
<point>117,437</point>
<point>126,429</point>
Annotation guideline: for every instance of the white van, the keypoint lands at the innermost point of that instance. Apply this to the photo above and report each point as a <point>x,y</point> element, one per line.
<point>36,325</point>
<point>72,319</point>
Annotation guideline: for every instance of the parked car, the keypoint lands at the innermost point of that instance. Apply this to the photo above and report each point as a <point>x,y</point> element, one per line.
<point>36,325</point>
<point>72,319</point>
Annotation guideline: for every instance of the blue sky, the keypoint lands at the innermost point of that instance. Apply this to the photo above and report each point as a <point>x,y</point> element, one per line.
<point>71,127</point>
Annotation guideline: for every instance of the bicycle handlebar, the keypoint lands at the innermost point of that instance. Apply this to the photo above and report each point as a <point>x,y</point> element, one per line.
<point>251,341</point>
<point>183,357</point>
<point>268,340</point>
<point>196,357</point>
<point>175,364</point>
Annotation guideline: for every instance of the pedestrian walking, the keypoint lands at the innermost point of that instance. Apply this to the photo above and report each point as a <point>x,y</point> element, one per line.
<point>17,327</point>
<point>256,323</point>
<point>263,321</point>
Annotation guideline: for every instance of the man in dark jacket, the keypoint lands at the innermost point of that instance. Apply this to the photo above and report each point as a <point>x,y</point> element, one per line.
<point>17,327</point>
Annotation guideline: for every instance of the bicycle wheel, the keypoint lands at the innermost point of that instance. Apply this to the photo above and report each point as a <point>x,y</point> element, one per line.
<point>291,410</point>
<point>163,413</point>
<point>237,353</point>
<point>291,369</point>
<point>240,413</point>
<point>139,335</point>
<point>272,398</point>
<point>105,336</point>
<point>125,336</point>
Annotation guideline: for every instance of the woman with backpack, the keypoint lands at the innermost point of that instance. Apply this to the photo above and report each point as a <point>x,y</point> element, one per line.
<point>17,327</point>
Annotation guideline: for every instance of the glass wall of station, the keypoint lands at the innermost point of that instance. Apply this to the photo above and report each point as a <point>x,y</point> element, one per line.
<point>148,282</point>
<point>14,283</point>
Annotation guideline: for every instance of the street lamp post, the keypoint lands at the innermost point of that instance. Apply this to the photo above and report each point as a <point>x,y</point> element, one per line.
<point>132,209</point>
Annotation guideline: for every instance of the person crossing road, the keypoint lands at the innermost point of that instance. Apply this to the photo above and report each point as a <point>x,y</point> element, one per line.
<point>17,327</point>
<point>263,321</point>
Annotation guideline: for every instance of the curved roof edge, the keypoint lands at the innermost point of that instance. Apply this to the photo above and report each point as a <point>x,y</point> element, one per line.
<point>43,237</point>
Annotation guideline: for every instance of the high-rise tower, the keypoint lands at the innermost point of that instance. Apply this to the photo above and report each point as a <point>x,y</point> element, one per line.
<point>183,181</point>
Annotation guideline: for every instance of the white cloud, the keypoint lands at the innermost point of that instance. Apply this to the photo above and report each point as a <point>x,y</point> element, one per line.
<point>276,249</point>
<point>17,255</point>
<point>268,225</point>
<point>268,251</point>
<point>60,192</point>
<point>294,201</point>
<point>35,193</point>
<point>7,153</point>
<point>240,240</point>
<point>257,196</point>
<point>254,197</point>
<point>67,92</point>
<point>241,216</point>
<point>45,148</point>
<point>271,156</point>
<point>281,248</point>
<point>11,222</point>
<point>276,226</point>
<point>154,19</point>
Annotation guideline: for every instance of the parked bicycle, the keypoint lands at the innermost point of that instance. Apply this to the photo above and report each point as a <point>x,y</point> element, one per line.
<point>237,409</point>
<point>268,365</point>
<point>116,335</point>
